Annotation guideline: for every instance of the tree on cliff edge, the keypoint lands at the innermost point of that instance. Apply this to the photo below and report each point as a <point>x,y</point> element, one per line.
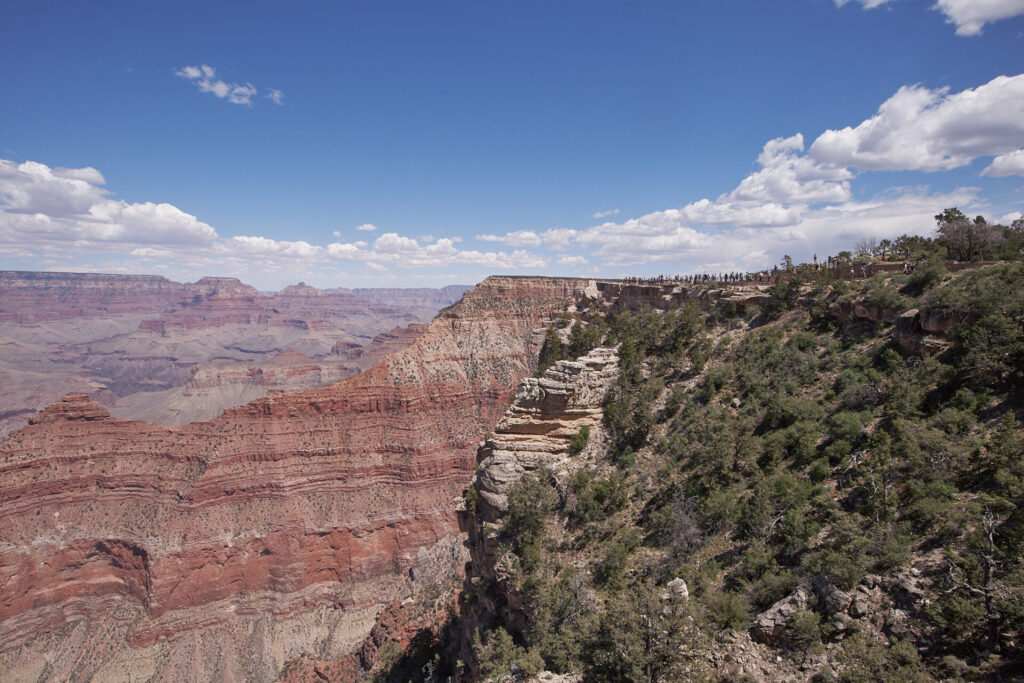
<point>965,239</point>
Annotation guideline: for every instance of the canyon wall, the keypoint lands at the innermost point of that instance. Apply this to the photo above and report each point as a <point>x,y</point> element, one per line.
<point>222,549</point>
<point>150,348</point>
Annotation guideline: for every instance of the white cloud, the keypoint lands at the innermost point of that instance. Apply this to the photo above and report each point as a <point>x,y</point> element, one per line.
<point>205,78</point>
<point>367,227</point>
<point>519,238</point>
<point>264,246</point>
<point>189,72</point>
<point>778,193</point>
<point>65,206</point>
<point>1011,163</point>
<point>86,174</point>
<point>658,236</point>
<point>969,16</point>
<point>392,248</point>
<point>605,214</point>
<point>276,96</point>
<point>786,176</point>
<point>725,212</point>
<point>665,237</point>
<point>573,261</point>
<point>930,130</point>
<point>556,238</point>
<point>1010,217</point>
<point>868,4</point>
<point>336,233</point>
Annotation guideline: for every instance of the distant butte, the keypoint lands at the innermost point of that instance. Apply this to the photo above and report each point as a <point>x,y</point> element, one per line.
<point>169,352</point>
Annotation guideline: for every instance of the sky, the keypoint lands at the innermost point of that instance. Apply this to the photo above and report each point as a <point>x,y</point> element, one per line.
<point>400,143</point>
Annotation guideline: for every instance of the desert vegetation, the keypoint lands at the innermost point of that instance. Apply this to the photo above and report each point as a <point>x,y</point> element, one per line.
<point>836,502</point>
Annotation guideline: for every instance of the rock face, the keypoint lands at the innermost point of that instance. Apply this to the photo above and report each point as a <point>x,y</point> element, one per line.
<point>216,385</point>
<point>534,433</point>
<point>222,549</point>
<point>134,342</point>
<point>536,430</point>
<point>924,331</point>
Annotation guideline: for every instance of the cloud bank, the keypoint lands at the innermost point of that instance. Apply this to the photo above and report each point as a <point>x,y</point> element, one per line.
<point>798,200</point>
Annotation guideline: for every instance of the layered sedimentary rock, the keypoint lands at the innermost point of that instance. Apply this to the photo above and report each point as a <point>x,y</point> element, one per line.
<point>134,342</point>
<point>225,548</point>
<point>216,385</point>
<point>536,430</point>
<point>534,436</point>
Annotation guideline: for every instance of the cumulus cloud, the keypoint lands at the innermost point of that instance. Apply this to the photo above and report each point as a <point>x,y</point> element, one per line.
<point>573,261</point>
<point>778,193</point>
<point>970,16</point>
<point>787,176</point>
<point>666,237</point>
<point>556,238</point>
<point>264,246</point>
<point>87,174</point>
<point>205,78</point>
<point>931,130</point>
<point>605,214</point>
<point>276,96</point>
<point>1011,163</point>
<point>396,249</point>
<point>519,238</point>
<point>367,227</point>
<point>64,206</point>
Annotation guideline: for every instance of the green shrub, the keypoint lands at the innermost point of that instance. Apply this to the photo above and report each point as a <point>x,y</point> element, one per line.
<point>579,440</point>
<point>846,426</point>
<point>501,659</point>
<point>609,573</point>
<point>729,610</point>
<point>530,502</point>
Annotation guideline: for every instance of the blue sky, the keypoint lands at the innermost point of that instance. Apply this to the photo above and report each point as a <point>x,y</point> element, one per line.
<point>471,138</point>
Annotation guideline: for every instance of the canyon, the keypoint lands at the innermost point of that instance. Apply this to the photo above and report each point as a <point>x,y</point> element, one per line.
<point>168,352</point>
<point>315,533</point>
<point>227,547</point>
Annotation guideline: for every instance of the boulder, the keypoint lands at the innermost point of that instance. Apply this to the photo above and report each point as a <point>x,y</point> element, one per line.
<point>771,626</point>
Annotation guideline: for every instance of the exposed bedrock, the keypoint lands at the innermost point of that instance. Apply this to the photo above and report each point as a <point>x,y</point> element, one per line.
<point>226,547</point>
<point>534,435</point>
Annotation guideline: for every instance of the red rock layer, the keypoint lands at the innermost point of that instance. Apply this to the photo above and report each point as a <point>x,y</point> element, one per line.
<point>278,506</point>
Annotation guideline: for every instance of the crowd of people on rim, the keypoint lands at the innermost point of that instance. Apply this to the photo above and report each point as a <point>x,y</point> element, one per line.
<point>837,265</point>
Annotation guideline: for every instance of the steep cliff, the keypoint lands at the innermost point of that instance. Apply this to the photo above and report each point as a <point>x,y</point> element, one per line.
<point>224,548</point>
<point>534,437</point>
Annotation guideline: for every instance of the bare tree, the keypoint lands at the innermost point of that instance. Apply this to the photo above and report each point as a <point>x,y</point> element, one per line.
<point>988,589</point>
<point>866,246</point>
<point>966,239</point>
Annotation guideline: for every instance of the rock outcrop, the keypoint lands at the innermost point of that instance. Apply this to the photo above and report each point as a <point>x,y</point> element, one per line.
<point>535,434</point>
<point>225,548</point>
<point>536,430</point>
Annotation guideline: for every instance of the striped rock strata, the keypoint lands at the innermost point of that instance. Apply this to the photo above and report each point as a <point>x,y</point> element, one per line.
<point>535,434</point>
<point>222,549</point>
